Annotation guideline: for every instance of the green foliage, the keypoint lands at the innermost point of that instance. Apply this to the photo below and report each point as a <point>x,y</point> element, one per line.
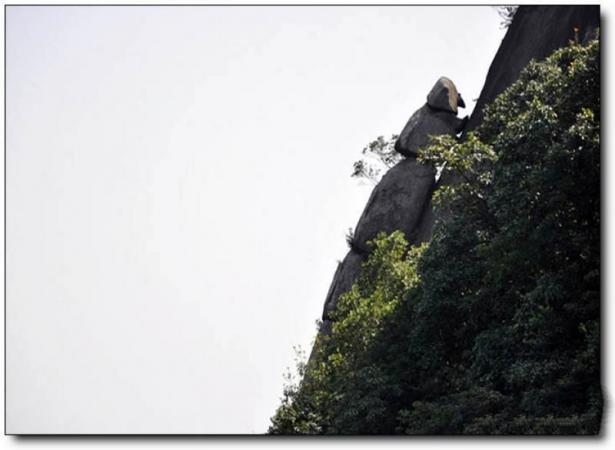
<point>380,155</point>
<point>494,327</point>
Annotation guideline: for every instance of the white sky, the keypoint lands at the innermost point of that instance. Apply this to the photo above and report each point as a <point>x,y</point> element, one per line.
<point>178,192</point>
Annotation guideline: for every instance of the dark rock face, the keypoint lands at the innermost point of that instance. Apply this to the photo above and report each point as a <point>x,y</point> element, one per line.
<point>345,276</point>
<point>535,33</point>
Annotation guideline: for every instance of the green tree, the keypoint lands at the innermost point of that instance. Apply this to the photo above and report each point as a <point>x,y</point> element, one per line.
<point>494,326</point>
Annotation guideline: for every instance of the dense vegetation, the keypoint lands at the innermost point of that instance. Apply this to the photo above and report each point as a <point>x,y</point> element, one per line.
<point>494,326</point>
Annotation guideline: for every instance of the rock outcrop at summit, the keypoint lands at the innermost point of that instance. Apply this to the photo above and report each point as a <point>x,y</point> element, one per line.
<point>402,199</point>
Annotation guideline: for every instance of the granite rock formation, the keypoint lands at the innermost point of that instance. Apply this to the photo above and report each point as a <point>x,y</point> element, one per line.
<point>402,199</point>
<point>535,32</point>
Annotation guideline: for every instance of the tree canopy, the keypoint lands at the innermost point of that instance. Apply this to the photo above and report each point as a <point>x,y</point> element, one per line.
<point>494,326</point>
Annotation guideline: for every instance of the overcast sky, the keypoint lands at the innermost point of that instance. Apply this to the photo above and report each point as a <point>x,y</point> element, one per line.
<point>178,192</point>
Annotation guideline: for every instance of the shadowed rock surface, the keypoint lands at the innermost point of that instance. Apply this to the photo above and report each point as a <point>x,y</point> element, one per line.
<point>535,33</point>
<point>345,276</point>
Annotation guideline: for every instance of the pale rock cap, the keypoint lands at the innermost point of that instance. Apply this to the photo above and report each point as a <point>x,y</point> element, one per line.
<point>443,95</point>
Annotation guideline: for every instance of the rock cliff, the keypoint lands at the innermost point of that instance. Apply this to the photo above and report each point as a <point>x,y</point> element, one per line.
<point>402,200</point>
<point>535,32</point>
